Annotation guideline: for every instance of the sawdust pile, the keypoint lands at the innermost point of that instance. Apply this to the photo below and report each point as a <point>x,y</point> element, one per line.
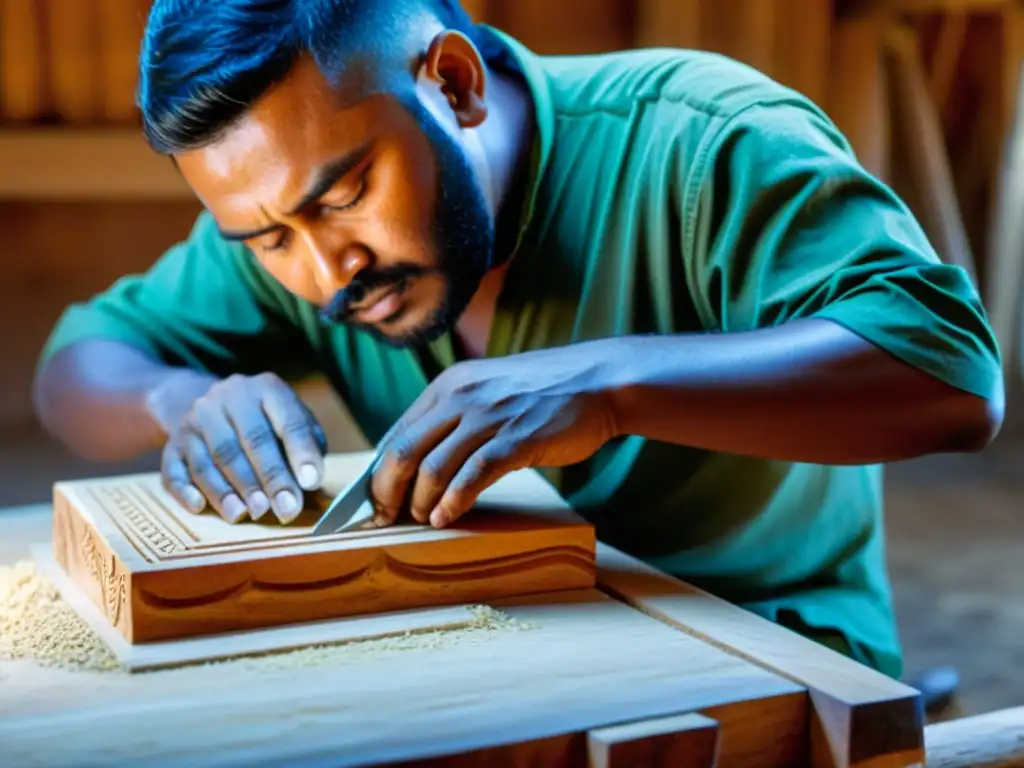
<point>37,625</point>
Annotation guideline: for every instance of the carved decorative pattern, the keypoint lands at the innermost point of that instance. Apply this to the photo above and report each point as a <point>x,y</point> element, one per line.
<point>112,582</point>
<point>386,569</point>
<point>132,514</point>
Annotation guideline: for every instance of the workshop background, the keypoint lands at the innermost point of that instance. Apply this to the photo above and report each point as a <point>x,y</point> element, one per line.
<point>927,90</point>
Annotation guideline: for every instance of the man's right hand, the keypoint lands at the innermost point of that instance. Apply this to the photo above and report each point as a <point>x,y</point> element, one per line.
<point>248,446</point>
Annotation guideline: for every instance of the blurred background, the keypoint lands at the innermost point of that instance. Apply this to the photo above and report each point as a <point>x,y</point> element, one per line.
<point>927,91</point>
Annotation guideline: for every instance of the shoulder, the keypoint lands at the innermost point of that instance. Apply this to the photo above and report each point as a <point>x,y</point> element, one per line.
<point>706,85</point>
<point>694,99</point>
<point>689,111</point>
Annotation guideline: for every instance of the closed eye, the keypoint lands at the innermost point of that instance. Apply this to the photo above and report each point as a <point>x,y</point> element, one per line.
<point>280,241</point>
<point>351,203</point>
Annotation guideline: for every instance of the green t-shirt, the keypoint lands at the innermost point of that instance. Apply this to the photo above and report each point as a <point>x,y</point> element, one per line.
<point>672,192</point>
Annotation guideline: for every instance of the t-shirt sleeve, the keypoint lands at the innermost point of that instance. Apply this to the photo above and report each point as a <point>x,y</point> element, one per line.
<point>205,304</point>
<point>785,224</point>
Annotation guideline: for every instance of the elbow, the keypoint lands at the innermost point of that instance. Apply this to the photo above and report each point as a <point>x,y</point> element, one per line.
<point>52,404</point>
<point>979,421</point>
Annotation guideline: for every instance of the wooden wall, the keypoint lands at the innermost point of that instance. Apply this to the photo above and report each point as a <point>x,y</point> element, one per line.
<point>82,201</point>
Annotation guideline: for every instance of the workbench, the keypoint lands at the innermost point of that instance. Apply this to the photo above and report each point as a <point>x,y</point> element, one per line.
<point>644,662</point>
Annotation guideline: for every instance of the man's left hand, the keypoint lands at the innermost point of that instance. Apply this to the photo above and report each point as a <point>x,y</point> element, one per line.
<point>480,420</point>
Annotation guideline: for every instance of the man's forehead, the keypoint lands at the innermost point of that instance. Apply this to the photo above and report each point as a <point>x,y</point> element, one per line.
<point>300,117</point>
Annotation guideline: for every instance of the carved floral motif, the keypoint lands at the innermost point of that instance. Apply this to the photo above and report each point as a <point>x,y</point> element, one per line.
<point>112,582</point>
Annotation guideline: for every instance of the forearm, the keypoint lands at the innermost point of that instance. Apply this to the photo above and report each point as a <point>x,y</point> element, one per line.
<point>810,391</point>
<point>108,401</point>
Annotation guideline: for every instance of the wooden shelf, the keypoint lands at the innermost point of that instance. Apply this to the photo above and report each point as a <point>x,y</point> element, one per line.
<point>89,164</point>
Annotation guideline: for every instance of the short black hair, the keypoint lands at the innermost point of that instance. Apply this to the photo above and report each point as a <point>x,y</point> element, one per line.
<point>203,63</point>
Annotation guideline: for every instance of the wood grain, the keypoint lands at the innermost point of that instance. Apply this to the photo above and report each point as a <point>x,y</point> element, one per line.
<point>83,163</point>
<point>75,74</point>
<point>157,572</point>
<point>932,192</point>
<point>989,740</point>
<point>683,741</point>
<point>860,717</point>
<point>145,657</point>
<point>858,101</point>
<point>671,23</point>
<point>24,84</point>
<point>591,662</point>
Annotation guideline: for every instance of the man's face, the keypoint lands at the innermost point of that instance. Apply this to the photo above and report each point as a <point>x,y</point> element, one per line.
<point>372,212</point>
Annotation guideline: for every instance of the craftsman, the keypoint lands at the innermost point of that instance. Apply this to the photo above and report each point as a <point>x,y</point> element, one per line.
<point>657,275</point>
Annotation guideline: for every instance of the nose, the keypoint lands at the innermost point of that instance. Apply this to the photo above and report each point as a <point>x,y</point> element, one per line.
<point>333,261</point>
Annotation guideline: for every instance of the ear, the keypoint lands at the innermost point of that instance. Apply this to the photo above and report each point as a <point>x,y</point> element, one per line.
<point>454,63</point>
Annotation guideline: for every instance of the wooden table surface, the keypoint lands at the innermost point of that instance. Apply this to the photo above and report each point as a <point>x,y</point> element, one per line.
<point>641,646</point>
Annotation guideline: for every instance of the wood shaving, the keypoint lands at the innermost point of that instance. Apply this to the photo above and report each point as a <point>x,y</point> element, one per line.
<point>36,624</point>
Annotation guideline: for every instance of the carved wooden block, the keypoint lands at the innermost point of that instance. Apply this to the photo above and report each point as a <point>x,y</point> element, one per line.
<point>158,572</point>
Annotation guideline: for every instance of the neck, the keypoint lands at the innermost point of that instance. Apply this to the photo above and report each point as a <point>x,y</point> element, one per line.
<point>506,137</point>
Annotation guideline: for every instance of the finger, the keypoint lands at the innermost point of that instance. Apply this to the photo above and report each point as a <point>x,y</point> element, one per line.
<point>211,422</point>
<point>442,463</point>
<point>485,467</point>
<point>304,441</point>
<point>392,480</point>
<point>207,477</point>
<point>175,478</point>
<point>261,447</point>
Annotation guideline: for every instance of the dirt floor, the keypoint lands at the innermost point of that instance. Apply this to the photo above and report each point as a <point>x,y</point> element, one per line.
<point>956,525</point>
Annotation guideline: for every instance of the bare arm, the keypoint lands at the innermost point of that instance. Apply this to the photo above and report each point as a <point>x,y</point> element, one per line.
<point>108,401</point>
<point>809,391</point>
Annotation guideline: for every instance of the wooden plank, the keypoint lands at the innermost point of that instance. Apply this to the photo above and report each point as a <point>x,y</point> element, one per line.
<point>158,572</point>
<point>235,645</point>
<point>476,9</point>
<point>121,25</point>
<point>858,97</point>
<point>923,149</point>
<point>742,29</point>
<point>988,740</point>
<point>24,85</point>
<point>668,23</point>
<point>949,47</point>
<point>803,46</point>
<point>73,30</point>
<point>91,164</point>
<point>566,26</point>
<point>1004,283</point>
<point>683,741</point>
<point>861,717</point>
<point>564,673</point>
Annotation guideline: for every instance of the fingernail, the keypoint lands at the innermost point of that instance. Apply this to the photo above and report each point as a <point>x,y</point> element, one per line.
<point>380,520</point>
<point>439,518</point>
<point>194,500</point>
<point>287,506</point>
<point>258,505</point>
<point>309,478</point>
<point>234,508</point>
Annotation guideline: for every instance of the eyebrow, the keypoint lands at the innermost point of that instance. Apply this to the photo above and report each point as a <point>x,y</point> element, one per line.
<point>325,178</point>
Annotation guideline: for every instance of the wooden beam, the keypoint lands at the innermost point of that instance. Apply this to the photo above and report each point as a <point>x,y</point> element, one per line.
<point>668,23</point>
<point>860,717</point>
<point>90,164</point>
<point>858,98</point>
<point>682,741</point>
<point>923,147</point>
<point>981,741</point>
<point>802,46</point>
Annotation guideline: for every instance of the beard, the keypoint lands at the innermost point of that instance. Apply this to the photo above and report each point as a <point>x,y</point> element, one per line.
<point>463,241</point>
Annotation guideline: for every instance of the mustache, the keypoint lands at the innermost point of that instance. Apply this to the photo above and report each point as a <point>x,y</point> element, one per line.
<point>339,308</point>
